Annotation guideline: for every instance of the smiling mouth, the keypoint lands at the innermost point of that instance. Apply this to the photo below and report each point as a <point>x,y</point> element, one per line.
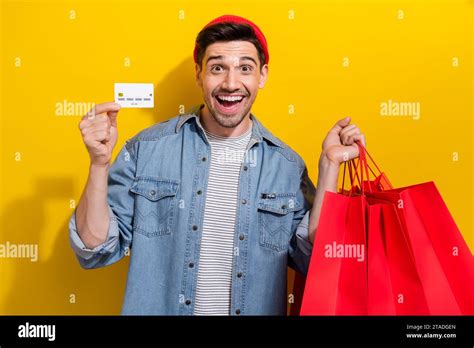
<point>229,101</point>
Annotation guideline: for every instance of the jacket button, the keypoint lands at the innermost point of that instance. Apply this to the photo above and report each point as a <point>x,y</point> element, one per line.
<point>188,302</point>
<point>195,228</point>
<point>191,265</point>
<point>152,192</point>
<point>244,201</point>
<point>204,159</point>
<point>283,206</point>
<point>239,275</point>
<point>245,168</point>
<point>241,237</point>
<point>237,311</point>
<point>199,192</point>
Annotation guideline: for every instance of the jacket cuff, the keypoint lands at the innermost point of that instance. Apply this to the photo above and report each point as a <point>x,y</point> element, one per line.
<point>302,235</point>
<point>107,247</point>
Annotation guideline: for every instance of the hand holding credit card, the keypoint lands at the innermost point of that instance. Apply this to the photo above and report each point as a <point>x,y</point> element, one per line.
<point>134,95</point>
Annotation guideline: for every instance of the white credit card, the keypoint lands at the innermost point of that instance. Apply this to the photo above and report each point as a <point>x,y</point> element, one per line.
<point>134,95</point>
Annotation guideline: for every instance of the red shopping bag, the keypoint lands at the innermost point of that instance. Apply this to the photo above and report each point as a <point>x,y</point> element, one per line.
<point>337,284</point>
<point>394,286</point>
<point>418,262</point>
<point>441,256</point>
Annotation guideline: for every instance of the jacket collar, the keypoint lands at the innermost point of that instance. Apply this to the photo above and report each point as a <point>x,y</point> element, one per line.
<point>259,132</point>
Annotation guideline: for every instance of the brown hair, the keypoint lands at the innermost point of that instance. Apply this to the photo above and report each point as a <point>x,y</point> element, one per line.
<point>224,32</point>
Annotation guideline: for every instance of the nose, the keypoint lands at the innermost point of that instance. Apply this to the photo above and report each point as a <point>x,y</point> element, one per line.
<point>231,81</point>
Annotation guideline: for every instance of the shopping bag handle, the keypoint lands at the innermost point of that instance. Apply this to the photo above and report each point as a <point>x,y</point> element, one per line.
<point>365,153</point>
<point>361,165</point>
<point>385,184</point>
<point>354,168</point>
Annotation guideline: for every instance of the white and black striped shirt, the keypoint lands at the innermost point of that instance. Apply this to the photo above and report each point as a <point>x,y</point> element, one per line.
<point>213,288</point>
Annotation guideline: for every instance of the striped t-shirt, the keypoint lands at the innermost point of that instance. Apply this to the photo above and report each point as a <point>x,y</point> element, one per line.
<point>213,288</point>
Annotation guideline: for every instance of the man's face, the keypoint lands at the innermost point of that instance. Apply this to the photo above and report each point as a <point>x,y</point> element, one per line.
<point>230,78</point>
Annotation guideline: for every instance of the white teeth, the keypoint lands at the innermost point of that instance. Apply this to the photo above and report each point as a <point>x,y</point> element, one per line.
<point>230,98</point>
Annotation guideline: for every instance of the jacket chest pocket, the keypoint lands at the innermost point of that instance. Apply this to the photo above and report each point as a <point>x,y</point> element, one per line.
<point>155,205</point>
<point>275,218</point>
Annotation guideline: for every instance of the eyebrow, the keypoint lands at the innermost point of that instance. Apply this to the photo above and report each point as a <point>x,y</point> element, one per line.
<point>249,58</point>
<point>213,57</point>
<point>221,57</point>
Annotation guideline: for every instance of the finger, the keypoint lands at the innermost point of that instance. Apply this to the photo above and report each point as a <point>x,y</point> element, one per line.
<point>96,126</point>
<point>93,142</point>
<point>347,138</point>
<point>102,108</point>
<point>112,115</point>
<point>101,118</point>
<point>350,140</point>
<point>340,125</point>
<point>101,135</point>
<point>84,124</point>
<point>99,127</point>
<point>351,152</point>
<point>361,138</point>
<point>347,129</point>
<point>98,120</point>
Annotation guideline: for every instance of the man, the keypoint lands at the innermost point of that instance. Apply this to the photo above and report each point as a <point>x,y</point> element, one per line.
<point>216,207</point>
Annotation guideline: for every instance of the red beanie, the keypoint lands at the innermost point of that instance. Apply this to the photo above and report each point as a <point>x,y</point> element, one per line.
<point>239,20</point>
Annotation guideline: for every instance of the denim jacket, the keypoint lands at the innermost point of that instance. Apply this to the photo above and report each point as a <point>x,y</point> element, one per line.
<point>156,195</point>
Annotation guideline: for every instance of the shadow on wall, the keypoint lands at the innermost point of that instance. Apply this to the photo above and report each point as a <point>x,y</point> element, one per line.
<point>177,88</point>
<point>46,286</point>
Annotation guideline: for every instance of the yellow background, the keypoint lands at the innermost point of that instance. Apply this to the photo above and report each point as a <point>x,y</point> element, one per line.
<point>402,56</point>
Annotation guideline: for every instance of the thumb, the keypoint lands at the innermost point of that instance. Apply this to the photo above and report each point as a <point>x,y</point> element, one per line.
<point>344,122</point>
<point>341,124</point>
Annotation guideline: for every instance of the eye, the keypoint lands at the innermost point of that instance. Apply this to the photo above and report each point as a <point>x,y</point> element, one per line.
<point>216,68</point>
<point>246,68</point>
